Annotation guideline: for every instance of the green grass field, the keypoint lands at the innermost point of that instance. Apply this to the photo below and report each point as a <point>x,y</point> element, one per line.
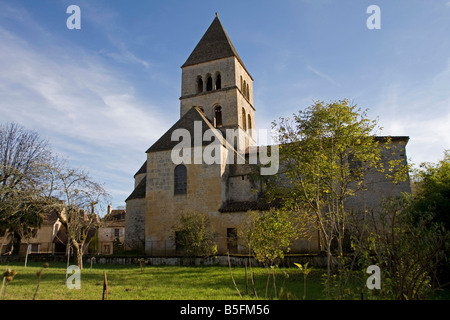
<point>161,283</point>
<point>155,282</point>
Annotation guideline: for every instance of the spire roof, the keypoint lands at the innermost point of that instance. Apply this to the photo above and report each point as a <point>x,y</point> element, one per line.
<point>215,44</point>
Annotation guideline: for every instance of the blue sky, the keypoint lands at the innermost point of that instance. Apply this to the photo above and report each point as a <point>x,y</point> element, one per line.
<point>103,94</point>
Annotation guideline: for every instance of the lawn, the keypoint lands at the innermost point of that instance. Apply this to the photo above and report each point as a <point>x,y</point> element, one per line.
<point>155,282</point>
<point>127,282</point>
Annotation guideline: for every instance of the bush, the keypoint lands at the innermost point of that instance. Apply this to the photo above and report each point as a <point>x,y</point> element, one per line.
<point>193,235</point>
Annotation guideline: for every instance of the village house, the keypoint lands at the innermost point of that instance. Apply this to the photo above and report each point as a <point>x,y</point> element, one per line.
<point>48,238</point>
<point>51,237</point>
<point>111,232</point>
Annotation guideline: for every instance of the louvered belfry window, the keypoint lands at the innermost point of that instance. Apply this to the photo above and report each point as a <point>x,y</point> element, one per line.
<point>218,116</point>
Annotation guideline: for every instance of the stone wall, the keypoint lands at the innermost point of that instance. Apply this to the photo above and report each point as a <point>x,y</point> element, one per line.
<point>313,260</point>
<point>204,194</point>
<point>135,224</point>
<point>229,97</point>
<point>377,185</point>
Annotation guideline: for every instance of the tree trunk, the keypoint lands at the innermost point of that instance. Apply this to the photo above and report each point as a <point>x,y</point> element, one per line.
<point>329,263</point>
<point>79,259</point>
<point>78,251</point>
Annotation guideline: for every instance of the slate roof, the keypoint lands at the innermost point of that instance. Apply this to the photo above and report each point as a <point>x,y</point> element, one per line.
<point>50,217</point>
<point>215,44</point>
<point>116,218</point>
<point>114,215</point>
<point>139,191</point>
<point>61,236</point>
<point>243,206</point>
<point>187,121</point>
<point>376,138</point>
<point>393,138</point>
<point>143,169</point>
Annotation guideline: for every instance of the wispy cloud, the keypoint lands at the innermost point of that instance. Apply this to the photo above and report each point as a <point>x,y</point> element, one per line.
<point>126,57</point>
<point>107,20</point>
<point>322,75</point>
<point>82,98</point>
<point>88,110</point>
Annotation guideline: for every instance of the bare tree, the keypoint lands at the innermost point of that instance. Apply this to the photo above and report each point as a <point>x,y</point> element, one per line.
<point>24,157</point>
<point>33,181</point>
<point>78,196</point>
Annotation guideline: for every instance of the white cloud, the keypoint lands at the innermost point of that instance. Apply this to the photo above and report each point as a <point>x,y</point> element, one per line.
<point>428,138</point>
<point>88,111</point>
<point>80,99</point>
<point>420,111</point>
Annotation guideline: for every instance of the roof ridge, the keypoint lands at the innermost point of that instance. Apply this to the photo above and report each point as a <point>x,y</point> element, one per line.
<point>185,122</point>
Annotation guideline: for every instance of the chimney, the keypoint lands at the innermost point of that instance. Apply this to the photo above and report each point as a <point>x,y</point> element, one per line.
<point>109,208</point>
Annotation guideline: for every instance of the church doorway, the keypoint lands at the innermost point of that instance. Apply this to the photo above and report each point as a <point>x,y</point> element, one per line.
<point>232,240</point>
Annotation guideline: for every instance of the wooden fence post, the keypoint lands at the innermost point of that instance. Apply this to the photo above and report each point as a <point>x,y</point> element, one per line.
<point>105,287</point>
<point>246,278</point>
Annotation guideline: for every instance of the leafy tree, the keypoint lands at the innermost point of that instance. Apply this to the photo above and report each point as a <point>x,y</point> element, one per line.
<point>432,182</point>
<point>433,189</point>
<point>194,235</point>
<point>325,152</point>
<point>409,239</point>
<point>269,236</point>
<point>407,248</point>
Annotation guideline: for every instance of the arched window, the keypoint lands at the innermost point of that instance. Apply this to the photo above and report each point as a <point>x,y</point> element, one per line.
<point>218,81</point>
<point>218,116</point>
<point>244,126</point>
<point>249,124</point>
<point>209,83</point>
<point>199,84</point>
<point>247,92</point>
<point>242,85</point>
<point>244,89</point>
<point>180,180</point>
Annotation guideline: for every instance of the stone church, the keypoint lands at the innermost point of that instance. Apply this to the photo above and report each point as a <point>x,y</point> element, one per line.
<point>216,98</point>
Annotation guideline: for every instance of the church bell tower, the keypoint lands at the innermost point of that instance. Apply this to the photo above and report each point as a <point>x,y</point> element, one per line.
<point>215,80</point>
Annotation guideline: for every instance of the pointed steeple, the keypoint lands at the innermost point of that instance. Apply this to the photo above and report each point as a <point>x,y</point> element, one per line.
<point>214,45</point>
